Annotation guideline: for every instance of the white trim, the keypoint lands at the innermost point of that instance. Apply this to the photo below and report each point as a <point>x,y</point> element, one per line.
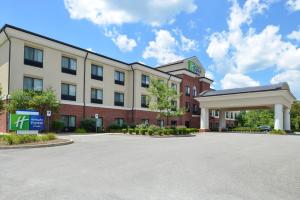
<point>195,115</point>
<point>109,107</point>
<point>206,80</point>
<point>65,102</point>
<point>184,71</point>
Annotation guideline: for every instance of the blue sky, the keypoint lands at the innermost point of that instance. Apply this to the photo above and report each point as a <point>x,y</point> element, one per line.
<point>240,43</point>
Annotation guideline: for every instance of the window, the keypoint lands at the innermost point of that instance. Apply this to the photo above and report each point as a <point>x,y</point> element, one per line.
<point>119,121</point>
<point>119,99</point>
<point>227,115</point>
<point>69,121</point>
<point>173,123</point>
<point>161,81</point>
<point>145,101</point>
<point>33,57</point>
<point>195,109</point>
<point>174,105</point>
<point>187,91</point>
<point>210,113</point>
<point>97,72</point>
<point>119,78</point>
<point>32,84</point>
<point>96,96</point>
<point>187,124</point>
<point>231,115</point>
<point>145,81</point>
<point>145,121</point>
<point>194,91</point>
<point>174,86</point>
<point>68,65</point>
<point>217,113</point>
<point>68,92</point>
<point>160,123</point>
<point>187,106</point>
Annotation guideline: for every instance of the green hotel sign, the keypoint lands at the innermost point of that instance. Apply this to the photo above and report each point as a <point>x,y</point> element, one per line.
<point>193,67</point>
<point>19,122</point>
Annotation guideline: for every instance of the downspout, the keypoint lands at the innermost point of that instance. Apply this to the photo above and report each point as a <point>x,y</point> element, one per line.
<point>84,80</point>
<point>8,85</point>
<point>133,93</point>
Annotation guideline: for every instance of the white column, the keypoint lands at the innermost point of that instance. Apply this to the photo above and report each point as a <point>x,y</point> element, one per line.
<point>278,116</point>
<point>204,119</point>
<point>287,119</point>
<point>222,120</point>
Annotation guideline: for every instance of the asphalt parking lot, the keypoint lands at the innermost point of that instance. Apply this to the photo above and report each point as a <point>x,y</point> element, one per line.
<point>209,166</point>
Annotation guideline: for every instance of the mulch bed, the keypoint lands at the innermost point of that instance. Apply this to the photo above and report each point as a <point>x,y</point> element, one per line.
<point>50,143</point>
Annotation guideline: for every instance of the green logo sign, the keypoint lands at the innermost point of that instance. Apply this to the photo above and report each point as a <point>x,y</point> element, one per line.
<point>19,122</point>
<point>193,67</point>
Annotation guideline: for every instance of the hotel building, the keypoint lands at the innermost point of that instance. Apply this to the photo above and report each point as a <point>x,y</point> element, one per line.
<point>88,83</point>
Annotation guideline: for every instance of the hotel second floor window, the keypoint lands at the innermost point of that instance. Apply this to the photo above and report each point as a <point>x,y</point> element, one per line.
<point>187,106</point>
<point>119,99</point>
<point>174,86</point>
<point>32,84</point>
<point>96,96</point>
<point>145,101</point>
<point>68,92</point>
<point>119,78</point>
<point>216,113</point>
<point>69,121</point>
<point>145,81</point>
<point>68,65</point>
<point>187,91</point>
<point>227,115</point>
<point>119,121</point>
<point>174,105</point>
<point>195,109</point>
<point>231,115</point>
<point>97,72</point>
<point>194,91</point>
<point>33,57</point>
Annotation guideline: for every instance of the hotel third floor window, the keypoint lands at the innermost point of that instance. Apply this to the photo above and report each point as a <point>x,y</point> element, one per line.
<point>217,113</point>
<point>174,105</point>
<point>187,91</point>
<point>96,96</point>
<point>145,81</point>
<point>195,109</point>
<point>231,115</point>
<point>119,121</point>
<point>194,91</point>
<point>33,57</point>
<point>227,115</point>
<point>68,92</point>
<point>119,99</point>
<point>97,72</point>
<point>32,84</point>
<point>145,101</point>
<point>68,65</point>
<point>69,121</point>
<point>187,106</point>
<point>119,77</point>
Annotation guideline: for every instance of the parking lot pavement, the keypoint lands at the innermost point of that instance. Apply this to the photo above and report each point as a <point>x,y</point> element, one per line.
<point>210,166</point>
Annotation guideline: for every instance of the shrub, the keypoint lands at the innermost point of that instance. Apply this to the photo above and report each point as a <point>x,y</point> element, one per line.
<point>124,130</point>
<point>58,126</point>
<point>115,126</point>
<point>137,131</point>
<point>150,131</point>
<point>27,138</point>
<point>130,130</point>
<point>80,130</point>
<point>161,131</point>
<point>278,132</point>
<point>143,131</point>
<point>88,124</point>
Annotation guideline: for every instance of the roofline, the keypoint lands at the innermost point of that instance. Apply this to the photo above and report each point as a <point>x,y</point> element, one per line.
<point>185,69</point>
<point>176,62</point>
<point>79,48</point>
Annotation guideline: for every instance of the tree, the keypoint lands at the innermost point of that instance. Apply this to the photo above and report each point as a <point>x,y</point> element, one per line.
<point>1,101</point>
<point>255,118</point>
<point>295,115</point>
<point>164,100</point>
<point>28,99</point>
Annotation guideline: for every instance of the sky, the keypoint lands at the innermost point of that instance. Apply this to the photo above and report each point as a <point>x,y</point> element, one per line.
<point>239,42</point>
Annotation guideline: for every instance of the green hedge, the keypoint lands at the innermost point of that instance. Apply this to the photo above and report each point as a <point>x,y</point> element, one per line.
<point>153,130</point>
<point>58,126</point>
<point>26,138</point>
<point>245,129</point>
<point>278,132</point>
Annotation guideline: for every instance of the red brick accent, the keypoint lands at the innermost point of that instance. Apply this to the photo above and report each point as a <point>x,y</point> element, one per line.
<point>3,120</point>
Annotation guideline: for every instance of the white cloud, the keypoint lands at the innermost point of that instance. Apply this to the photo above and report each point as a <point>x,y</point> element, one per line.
<point>293,5</point>
<point>90,49</point>
<point>209,75</point>
<point>188,44</point>
<point>163,48</point>
<point>290,76</point>
<point>294,35</point>
<point>115,12</point>
<point>237,81</point>
<point>124,43</point>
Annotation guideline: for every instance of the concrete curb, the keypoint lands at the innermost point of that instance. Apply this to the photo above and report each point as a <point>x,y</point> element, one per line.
<point>24,146</point>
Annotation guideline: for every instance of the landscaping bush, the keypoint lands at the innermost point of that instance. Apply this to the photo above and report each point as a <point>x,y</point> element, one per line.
<point>124,130</point>
<point>130,130</point>
<point>150,131</point>
<point>245,129</point>
<point>143,131</point>
<point>26,138</point>
<point>58,126</point>
<point>137,131</point>
<point>278,132</point>
<point>88,124</point>
<point>80,130</point>
<point>116,127</point>
<point>161,131</point>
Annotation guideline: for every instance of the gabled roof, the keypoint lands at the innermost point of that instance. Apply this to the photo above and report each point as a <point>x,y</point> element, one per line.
<point>279,86</point>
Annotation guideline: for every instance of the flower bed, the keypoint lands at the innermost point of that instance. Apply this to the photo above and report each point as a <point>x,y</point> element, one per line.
<point>13,139</point>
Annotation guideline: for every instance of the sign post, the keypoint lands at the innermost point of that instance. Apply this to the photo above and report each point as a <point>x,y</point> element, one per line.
<point>48,116</point>
<point>96,117</point>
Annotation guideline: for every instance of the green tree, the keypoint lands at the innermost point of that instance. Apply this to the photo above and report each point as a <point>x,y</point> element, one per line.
<point>255,118</point>
<point>163,99</point>
<point>1,102</point>
<point>295,115</point>
<point>28,99</point>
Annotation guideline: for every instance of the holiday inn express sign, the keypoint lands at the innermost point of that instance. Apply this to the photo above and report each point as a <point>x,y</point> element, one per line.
<point>193,67</point>
<point>27,120</point>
